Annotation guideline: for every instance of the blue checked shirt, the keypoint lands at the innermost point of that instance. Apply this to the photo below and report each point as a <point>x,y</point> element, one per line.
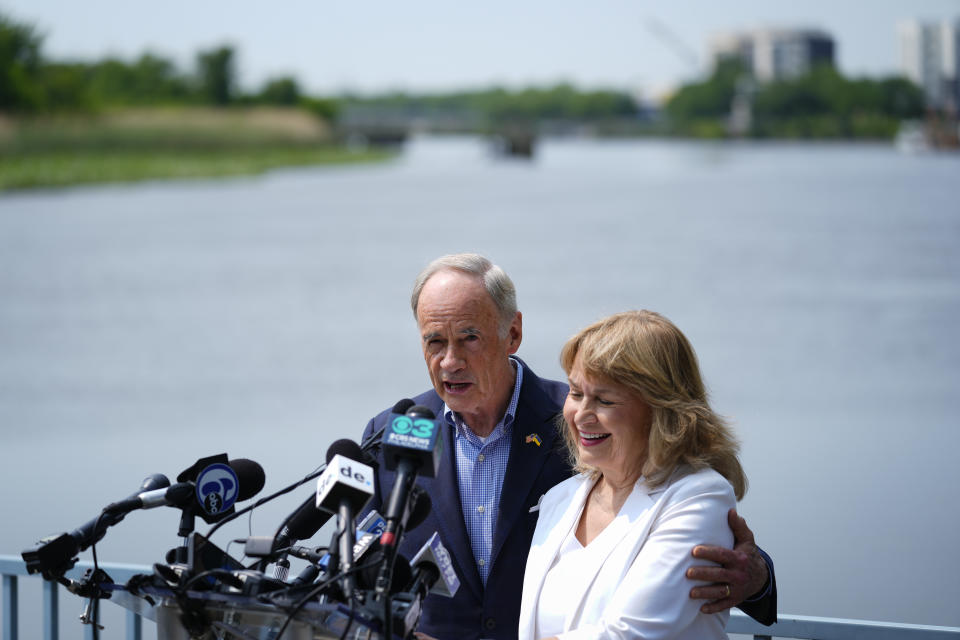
<point>481,466</point>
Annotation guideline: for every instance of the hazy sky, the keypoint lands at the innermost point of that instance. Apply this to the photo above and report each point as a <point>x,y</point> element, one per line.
<point>433,45</point>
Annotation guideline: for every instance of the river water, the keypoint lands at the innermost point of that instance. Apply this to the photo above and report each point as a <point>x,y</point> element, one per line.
<point>144,326</point>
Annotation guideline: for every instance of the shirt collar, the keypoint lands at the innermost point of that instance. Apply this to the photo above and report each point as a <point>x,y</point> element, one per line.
<point>453,418</point>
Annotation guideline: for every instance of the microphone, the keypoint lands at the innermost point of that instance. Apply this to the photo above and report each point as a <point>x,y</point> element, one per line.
<point>432,563</point>
<point>54,554</point>
<point>249,475</point>
<point>303,523</point>
<point>347,486</point>
<point>373,441</point>
<point>411,446</point>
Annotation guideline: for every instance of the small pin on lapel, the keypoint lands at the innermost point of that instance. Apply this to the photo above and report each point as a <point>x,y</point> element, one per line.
<point>535,439</point>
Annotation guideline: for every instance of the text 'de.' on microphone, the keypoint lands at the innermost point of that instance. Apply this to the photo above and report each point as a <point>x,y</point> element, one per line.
<point>345,487</point>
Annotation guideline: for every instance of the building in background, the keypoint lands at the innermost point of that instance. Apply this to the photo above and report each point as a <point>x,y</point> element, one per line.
<point>930,57</point>
<point>774,54</point>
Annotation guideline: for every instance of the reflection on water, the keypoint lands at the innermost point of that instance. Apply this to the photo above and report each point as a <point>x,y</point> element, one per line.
<point>144,326</point>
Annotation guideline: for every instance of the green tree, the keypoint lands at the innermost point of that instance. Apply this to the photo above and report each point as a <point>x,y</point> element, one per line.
<point>19,66</point>
<point>710,99</point>
<point>216,75</point>
<point>282,91</point>
<point>66,86</point>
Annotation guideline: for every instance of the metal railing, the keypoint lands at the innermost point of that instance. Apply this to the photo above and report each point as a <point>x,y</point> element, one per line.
<point>12,567</point>
<point>789,626</point>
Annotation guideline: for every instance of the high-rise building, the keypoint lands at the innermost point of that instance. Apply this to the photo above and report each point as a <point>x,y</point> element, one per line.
<point>773,54</point>
<point>930,57</point>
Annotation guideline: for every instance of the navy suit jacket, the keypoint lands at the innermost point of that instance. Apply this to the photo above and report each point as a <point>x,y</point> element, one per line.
<point>493,611</point>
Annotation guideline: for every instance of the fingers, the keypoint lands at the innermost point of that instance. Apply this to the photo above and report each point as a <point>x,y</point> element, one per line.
<point>741,532</point>
<point>710,574</point>
<point>717,591</point>
<point>719,605</point>
<point>719,597</point>
<point>720,555</point>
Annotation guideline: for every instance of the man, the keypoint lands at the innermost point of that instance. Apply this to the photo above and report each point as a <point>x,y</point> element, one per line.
<point>502,452</point>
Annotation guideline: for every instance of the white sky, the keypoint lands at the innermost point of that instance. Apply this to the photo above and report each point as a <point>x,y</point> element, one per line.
<point>429,45</point>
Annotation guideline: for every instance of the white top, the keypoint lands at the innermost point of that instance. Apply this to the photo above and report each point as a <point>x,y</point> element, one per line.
<point>555,598</point>
<point>631,583</point>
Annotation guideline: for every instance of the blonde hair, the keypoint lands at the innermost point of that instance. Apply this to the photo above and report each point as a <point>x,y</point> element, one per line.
<point>649,355</point>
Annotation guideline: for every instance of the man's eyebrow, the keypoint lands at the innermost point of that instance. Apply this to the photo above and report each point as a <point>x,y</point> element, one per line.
<point>469,331</point>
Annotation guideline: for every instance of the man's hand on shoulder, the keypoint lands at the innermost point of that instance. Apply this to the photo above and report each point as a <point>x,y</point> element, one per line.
<point>742,573</point>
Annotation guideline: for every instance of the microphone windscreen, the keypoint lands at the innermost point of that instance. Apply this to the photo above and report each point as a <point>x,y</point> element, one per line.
<point>402,406</point>
<point>307,520</point>
<point>421,509</point>
<point>402,574</point>
<point>369,570</point>
<point>154,482</point>
<point>346,448</point>
<point>420,411</point>
<point>250,477</point>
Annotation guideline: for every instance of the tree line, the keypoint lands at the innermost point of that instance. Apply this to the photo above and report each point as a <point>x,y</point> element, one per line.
<point>820,103</point>
<point>30,83</point>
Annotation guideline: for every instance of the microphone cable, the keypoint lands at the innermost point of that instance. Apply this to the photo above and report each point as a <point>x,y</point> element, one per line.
<point>314,592</point>
<point>365,446</point>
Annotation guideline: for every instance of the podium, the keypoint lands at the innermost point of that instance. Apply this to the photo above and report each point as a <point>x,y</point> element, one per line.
<point>240,617</point>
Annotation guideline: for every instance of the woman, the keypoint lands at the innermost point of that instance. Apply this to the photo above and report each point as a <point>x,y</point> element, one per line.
<point>658,473</point>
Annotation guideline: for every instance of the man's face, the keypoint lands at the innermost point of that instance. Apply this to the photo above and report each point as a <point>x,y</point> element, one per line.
<point>467,359</point>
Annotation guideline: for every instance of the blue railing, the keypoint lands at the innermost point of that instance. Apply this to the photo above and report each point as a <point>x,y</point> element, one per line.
<point>805,627</point>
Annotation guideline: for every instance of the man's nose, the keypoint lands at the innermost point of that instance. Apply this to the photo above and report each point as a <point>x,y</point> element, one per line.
<point>451,361</point>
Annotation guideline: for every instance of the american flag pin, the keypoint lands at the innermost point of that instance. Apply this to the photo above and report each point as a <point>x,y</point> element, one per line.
<point>535,439</point>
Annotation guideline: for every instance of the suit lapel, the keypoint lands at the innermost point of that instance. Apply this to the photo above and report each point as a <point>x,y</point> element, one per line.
<point>535,416</point>
<point>545,546</point>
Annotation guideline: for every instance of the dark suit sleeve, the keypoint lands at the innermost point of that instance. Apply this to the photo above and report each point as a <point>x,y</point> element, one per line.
<point>764,608</point>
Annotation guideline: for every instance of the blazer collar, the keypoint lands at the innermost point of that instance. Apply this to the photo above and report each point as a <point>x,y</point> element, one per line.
<point>535,418</point>
<point>600,548</point>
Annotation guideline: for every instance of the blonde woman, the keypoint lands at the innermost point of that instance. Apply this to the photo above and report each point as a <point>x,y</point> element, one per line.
<point>658,472</point>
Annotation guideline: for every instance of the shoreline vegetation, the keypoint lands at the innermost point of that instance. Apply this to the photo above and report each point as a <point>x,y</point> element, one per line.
<point>112,120</point>
<point>130,145</point>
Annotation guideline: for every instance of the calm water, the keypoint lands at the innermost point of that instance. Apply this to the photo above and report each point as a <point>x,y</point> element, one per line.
<point>144,326</point>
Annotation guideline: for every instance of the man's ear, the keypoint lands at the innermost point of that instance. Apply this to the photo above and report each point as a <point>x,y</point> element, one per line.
<point>515,334</point>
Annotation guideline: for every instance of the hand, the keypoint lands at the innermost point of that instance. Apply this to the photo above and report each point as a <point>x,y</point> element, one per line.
<point>741,574</point>
<point>423,636</point>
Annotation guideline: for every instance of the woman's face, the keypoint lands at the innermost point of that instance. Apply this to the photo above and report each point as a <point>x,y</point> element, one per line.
<point>611,424</point>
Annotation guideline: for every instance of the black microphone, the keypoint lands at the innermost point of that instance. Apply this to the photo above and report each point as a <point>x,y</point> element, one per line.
<point>54,555</point>
<point>303,523</point>
<point>412,446</point>
<point>433,570</point>
<point>347,486</point>
<point>250,480</point>
<point>374,440</point>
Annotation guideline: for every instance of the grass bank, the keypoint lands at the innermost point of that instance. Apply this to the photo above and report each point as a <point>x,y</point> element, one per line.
<point>171,143</point>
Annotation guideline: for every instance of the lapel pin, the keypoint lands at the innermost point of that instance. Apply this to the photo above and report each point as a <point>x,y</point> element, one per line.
<point>535,439</point>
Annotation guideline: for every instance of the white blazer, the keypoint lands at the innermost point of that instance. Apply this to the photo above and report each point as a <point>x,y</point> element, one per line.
<point>638,587</point>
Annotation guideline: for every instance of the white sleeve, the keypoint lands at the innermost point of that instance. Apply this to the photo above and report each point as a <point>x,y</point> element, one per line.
<point>653,600</point>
